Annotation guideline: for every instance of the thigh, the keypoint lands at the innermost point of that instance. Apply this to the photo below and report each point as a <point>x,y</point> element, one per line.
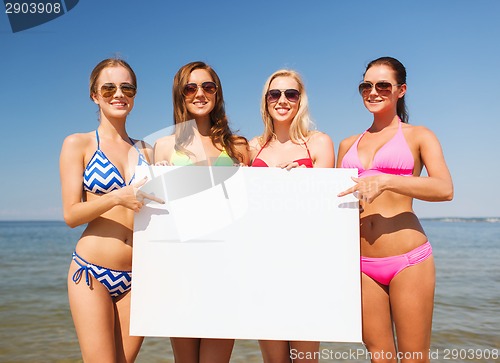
<point>216,350</point>
<point>93,314</point>
<point>186,350</point>
<point>412,302</point>
<point>275,351</point>
<point>378,334</point>
<point>127,347</point>
<point>305,351</point>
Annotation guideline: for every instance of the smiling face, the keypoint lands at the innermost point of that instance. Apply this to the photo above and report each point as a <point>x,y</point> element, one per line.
<point>283,110</point>
<point>382,101</point>
<point>118,105</point>
<point>200,104</point>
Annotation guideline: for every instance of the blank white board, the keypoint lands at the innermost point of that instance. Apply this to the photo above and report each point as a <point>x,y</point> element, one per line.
<point>247,253</point>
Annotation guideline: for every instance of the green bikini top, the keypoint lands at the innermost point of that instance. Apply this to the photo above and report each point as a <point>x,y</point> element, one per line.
<point>180,159</point>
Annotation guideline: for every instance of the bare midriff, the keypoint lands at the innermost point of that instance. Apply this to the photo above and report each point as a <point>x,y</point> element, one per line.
<point>107,240</point>
<point>389,227</point>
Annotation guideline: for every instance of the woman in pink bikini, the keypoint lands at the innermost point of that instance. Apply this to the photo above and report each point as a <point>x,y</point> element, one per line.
<point>288,142</point>
<point>398,276</point>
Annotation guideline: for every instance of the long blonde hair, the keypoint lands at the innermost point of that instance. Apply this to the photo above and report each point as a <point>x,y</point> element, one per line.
<point>300,129</point>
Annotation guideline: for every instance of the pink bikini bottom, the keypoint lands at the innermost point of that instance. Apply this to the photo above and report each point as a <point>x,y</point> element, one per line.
<point>383,269</point>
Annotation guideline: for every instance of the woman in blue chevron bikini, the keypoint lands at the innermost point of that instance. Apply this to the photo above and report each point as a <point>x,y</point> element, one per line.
<point>98,189</point>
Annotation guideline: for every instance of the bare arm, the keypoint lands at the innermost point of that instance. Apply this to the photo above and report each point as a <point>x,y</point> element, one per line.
<point>322,150</point>
<point>244,150</point>
<point>438,185</point>
<point>75,211</point>
<point>253,148</point>
<point>163,150</point>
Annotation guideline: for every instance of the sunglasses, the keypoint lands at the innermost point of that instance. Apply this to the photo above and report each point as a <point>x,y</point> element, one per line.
<point>382,86</point>
<point>190,89</point>
<point>109,89</point>
<point>292,95</point>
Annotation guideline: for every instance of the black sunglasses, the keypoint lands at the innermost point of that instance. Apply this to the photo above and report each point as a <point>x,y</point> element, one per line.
<point>109,89</point>
<point>207,87</point>
<point>382,86</point>
<point>292,95</point>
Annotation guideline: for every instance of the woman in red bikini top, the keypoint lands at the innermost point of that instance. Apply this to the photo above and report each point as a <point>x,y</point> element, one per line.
<point>288,142</point>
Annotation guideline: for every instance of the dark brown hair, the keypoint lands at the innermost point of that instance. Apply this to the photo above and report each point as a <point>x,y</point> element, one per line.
<point>400,71</point>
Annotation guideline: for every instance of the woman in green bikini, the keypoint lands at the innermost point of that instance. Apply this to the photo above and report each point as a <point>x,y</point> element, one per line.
<point>202,134</point>
<point>202,137</point>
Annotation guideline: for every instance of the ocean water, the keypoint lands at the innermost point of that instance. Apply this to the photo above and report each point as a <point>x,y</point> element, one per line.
<point>36,325</point>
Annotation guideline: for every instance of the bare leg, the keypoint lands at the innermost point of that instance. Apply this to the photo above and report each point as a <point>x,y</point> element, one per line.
<point>378,334</point>
<point>216,350</point>
<point>186,350</point>
<point>94,317</point>
<point>308,352</point>
<point>412,301</point>
<point>275,351</point>
<point>127,346</point>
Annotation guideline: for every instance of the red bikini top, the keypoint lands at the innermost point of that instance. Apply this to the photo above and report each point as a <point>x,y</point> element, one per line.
<point>307,162</point>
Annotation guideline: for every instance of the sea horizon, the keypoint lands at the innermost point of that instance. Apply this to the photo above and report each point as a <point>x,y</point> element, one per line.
<point>490,219</point>
<point>35,313</point>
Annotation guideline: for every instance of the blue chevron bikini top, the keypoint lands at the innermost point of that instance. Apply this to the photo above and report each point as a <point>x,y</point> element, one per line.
<point>101,176</point>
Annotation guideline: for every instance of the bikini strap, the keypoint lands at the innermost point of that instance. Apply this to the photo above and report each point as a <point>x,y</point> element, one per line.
<point>262,148</point>
<point>97,138</point>
<point>133,144</point>
<point>308,153</point>
<point>84,267</point>
<point>141,156</point>
<point>359,139</point>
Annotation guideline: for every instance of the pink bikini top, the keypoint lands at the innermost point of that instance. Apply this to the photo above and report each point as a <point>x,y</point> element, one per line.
<point>394,157</point>
<point>307,162</point>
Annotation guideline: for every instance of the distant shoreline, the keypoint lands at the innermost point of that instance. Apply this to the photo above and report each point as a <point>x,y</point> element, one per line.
<point>430,219</point>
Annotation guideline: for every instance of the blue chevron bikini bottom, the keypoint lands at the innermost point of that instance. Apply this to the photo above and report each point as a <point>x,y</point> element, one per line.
<point>117,282</point>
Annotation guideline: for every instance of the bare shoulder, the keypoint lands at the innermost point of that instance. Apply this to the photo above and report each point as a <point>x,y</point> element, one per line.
<point>419,134</point>
<point>320,144</point>
<point>254,147</point>
<point>165,142</point>
<point>255,143</point>
<point>319,138</point>
<point>74,149</point>
<point>163,148</point>
<point>348,141</point>
<point>79,141</point>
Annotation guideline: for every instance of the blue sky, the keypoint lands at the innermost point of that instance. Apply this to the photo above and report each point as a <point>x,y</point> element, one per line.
<point>450,48</point>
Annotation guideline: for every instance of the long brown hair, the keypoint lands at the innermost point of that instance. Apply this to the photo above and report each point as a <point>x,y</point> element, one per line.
<point>220,133</point>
